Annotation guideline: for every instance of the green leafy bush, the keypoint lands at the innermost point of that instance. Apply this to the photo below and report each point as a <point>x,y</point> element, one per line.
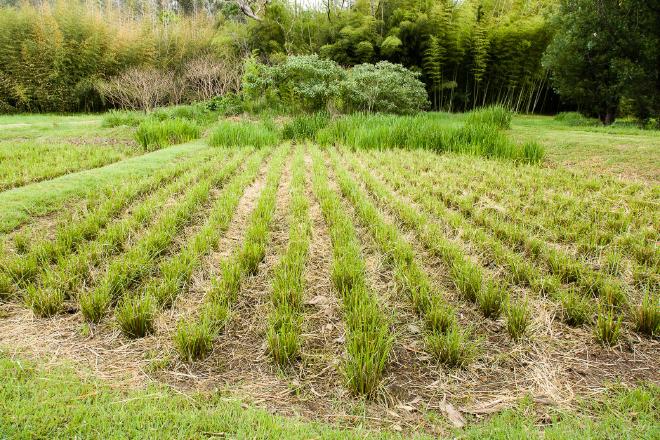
<point>304,82</point>
<point>227,105</point>
<point>382,88</point>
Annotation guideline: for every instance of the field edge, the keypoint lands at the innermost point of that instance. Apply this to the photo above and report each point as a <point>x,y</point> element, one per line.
<point>59,401</point>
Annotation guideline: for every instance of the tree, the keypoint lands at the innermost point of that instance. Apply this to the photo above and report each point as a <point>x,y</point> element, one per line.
<point>606,50</point>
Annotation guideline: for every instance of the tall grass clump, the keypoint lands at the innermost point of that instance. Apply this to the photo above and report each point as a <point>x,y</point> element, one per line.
<point>116,118</point>
<point>532,152</point>
<point>492,300</point>
<point>576,309</point>
<point>153,134</point>
<point>305,127</point>
<point>496,115</point>
<point>576,119</point>
<point>368,336</point>
<point>194,340</point>
<point>453,348</point>
<point>436,132</point>
<point>198,113</point>
<point>6,287</point>
<point>239,134</point>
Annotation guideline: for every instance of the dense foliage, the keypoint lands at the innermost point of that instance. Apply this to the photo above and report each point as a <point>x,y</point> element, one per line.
<point>601,56</point>
<point>607,52</point>
<point>310,84</point>
<point>52,58</point>
<point>467,53</point>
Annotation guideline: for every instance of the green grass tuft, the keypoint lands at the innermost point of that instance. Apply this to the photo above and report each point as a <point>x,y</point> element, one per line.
<point>608,328</point>
<point>136,315</point>
<point>576,309</point>
<point>647,315</point>
<point>496,115</point>
<point>44,302</point>
<point>467,279</point>
<point>116,118</point>
<point>453,348</point>
<point>517,320</point>
<point>491,300</point>
<point>283,336</point>
<point>94,304</point>
<point>440,318</point>
<point>194,339</point>
<point>305,127</point>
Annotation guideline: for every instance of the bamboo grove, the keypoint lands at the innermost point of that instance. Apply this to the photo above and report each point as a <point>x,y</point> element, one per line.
<point>469,53</point>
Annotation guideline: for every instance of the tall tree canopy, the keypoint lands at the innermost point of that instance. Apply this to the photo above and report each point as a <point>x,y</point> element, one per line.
<point>606,51</point>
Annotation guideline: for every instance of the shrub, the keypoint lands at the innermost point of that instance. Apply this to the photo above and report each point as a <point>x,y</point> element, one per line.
<point>208,76</point>
<point>116,118</point>
<point>139,88</point>
<point>153,135</point>
<point>136,315</point>
<point>240,134</point>
<point>382,87</point>
<point>304,82</point>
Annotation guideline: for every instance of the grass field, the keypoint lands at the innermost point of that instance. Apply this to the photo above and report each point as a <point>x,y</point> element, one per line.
<point>486,282</point>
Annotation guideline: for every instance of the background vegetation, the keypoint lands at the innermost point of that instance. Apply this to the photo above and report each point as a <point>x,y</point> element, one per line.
<point>600,56</point>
